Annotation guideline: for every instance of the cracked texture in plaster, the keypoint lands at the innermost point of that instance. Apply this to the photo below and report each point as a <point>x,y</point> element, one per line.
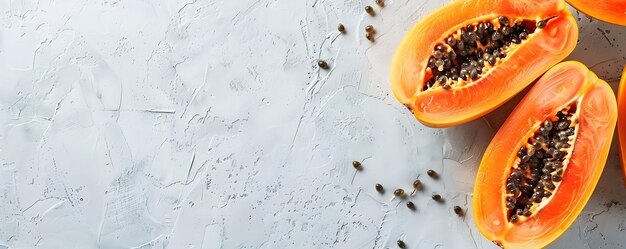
<point>205,124</point>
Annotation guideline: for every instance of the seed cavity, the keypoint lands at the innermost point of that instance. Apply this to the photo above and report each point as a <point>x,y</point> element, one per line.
<point>540,164</point>
<point>470,52</point>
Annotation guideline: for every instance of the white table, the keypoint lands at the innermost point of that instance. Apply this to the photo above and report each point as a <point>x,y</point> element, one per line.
<point>206,124</point>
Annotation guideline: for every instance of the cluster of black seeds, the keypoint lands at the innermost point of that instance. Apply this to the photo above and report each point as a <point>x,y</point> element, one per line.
<point>541,164</point>
<point>472,50</point>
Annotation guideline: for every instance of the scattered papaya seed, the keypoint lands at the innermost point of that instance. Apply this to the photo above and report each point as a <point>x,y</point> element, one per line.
<point>410,205</point>
<point>369,36</point>
<point>341,28</point>
<point>458,210</point>
<point>380,3</point>
<point>379,188</point>
<point>432,173</point>
<point>399,193</point>
<point>417,184</point>
<point>401,244</point>
<point>370,29</point>
<point>322,64</point>
<point>369,10</point>
<point>356,164</point>
<point>436,197</point>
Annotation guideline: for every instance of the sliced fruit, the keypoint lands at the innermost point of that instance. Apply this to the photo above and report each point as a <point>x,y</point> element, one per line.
<point>470,56</point>
<point>621,121</point>
<point>612,11</point>
<point>543,164</point>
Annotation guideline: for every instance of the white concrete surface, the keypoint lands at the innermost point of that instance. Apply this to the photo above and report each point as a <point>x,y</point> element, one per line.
<point>206,124</point>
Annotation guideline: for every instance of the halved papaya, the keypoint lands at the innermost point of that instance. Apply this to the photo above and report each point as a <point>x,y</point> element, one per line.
<point>612,11</point>
<point>621,121</point>
<point>543,164</point>
<point>470,56</point>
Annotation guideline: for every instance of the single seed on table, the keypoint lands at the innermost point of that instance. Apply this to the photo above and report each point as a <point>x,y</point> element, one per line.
<point>436,197</point>
<point>379,188</point>
<point>417,184</point>
<point>322,64</point>
<point>399,192</point>
<point>458,210</point>
<point>341,28</point>
<point>380,3</point>
<point>410,205</point>
<point>357,165</point>
<point>401,244</point>
<point>369,10</point>
<point>370,29</point>
<point>431,173</point>
<point>369,36</point>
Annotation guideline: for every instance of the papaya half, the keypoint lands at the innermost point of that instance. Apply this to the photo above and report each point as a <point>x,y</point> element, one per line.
<point>543,164</point>
<point>621,121</point>
<point>470,56</point>
<point>611,11</point>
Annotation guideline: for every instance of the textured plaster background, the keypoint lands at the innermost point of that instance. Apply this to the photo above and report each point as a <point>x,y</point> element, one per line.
<point>206,124</point>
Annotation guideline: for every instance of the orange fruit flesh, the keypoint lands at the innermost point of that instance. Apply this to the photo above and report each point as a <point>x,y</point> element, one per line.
<point>565,84</point>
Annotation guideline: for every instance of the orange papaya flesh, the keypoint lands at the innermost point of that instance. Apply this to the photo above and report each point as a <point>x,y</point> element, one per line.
<point>543,164</point>
<point>504,64</point>
<point>621,121</point>
<point>611,11</point>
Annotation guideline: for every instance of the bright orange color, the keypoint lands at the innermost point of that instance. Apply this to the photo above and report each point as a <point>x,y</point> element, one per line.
<point>564,84</point>
<point>613,11</point>
<point>621,121</point>
<point>443,108</point>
